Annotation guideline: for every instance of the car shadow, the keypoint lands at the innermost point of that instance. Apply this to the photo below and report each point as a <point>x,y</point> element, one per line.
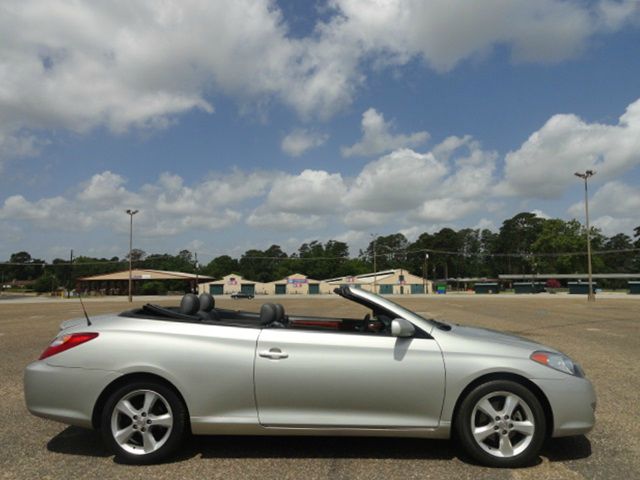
<point>79,441</point>
<point>567,448</point>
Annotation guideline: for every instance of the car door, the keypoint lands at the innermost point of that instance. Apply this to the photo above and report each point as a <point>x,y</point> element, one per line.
<point>344,379</point>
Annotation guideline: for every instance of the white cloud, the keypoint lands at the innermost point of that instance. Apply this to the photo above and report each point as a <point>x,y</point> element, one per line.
<point>396,181</point>
<point>614,14</point>
<point>613,225</point>
<point>55,212</point>
<point>485,223</point>
<point>82,65</point>
<point>446,209</point>
<point>539,213</point>
<point>377,137</point>
<point>543,167</point>
<point>613,208</point>
<point>10,233</point>
<point>167,208</point>
<point>301,140</point>
<point>173,197</point>
<point>284,220</point>
<point>299,201</point>
<point>365,220</point>
<point>446,33</point>
<point>449,145</point>
<point>612,198</point>
<point>356,239</point>
<point>402,185</point>
<point>310,192</point>
<point>473,172</point>
<point>104,188</point>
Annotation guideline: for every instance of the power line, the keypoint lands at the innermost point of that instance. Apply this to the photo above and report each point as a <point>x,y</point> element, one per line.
<point>311,259</point>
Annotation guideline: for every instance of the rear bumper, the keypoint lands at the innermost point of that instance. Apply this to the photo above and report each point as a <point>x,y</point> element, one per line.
<point>573,403</point>
<point>67,395</point>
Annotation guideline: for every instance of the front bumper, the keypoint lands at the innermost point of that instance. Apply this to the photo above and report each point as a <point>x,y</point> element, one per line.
<point>573,403</point>
<point>64,394</point>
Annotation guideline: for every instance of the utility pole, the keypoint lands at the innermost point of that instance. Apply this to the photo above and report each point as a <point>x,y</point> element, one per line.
<point>197,283</point>
<point>585,176</point>
<point>131,213</point>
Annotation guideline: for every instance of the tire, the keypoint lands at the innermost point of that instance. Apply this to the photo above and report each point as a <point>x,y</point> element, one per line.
<point>143,422</point>
<point>501,424</point>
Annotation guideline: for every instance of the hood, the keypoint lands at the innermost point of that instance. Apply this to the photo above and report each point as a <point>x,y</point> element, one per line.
<point>488,336</point>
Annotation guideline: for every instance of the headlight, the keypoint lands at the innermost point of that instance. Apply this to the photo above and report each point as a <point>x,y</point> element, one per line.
<point>559,362</point>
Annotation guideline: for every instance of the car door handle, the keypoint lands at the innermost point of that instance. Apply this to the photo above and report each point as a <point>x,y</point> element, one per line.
<point>273,354</point>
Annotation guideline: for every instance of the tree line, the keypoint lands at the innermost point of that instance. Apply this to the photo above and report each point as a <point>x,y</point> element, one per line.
<point>524,244</point>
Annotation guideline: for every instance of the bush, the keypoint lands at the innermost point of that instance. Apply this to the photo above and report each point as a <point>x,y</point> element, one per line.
<point>46,283</point>
<point>154,288</point>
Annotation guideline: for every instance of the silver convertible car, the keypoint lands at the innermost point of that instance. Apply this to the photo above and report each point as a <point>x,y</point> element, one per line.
<point>147,377</point>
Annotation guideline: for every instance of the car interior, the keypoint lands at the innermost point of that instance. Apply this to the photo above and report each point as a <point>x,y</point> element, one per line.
<point>202,309</point>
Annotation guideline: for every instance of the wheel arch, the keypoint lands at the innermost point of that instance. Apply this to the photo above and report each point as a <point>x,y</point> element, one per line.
<point>525,382</point>
<point>128,378</point>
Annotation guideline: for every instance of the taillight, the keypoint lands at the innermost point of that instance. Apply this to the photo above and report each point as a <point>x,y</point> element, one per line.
<point>65,342</point>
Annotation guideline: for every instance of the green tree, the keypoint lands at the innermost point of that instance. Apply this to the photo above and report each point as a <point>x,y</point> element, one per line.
<point>445,264</point>
<point>390,252</point>
<point>136,255</point>
<point>322,261</point>
<point>47,282</point>
<point>417,252</point>
<point>469,262</point>
<point>263,266</point>
<point>221,266</point>
<point>620,262</point>
<point>24,266</point>
<point>516,237</point>
<point>560,236</point>
<point>183,262</point>
<point>489,242</point>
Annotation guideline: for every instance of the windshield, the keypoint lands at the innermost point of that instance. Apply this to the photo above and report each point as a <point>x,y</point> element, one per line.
<point>376,302</point>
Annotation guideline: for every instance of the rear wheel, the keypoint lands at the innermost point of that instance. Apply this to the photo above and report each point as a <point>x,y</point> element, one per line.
<point>502,424</point>
<point>143,422</point>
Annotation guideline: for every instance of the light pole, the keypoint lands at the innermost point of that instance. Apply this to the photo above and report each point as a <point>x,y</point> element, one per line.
<point>585,176</point>
<point>375,264</point>
<point>426,263</point>
<point>131,213</point>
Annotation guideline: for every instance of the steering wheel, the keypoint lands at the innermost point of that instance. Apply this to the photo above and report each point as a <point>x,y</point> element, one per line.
<point>386,322</point>
<point>365,322</point>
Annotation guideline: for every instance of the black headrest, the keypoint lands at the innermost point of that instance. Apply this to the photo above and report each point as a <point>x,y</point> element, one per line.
<point>279,312</point>
<point>207,302</point>
<point>268,314</point>
<point>189,304</point>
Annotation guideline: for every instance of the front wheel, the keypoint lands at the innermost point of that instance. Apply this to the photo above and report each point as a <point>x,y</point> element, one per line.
<point>143,422</point>
<point>501,424</point>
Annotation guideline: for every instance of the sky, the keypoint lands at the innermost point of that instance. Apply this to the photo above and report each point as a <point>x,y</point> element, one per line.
<point>240,124</point>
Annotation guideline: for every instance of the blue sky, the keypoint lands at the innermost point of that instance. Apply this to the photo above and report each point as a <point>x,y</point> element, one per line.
<point>236,125</point>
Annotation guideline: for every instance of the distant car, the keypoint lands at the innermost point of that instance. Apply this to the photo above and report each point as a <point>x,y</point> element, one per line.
<point>149,376</point>
<point>239,295</point>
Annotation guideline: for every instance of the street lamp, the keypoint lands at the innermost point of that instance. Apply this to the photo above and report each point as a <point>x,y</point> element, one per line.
<point>375,265</point>
<point>426,262</point>
<point>585,176</point>
<point>131,213</point>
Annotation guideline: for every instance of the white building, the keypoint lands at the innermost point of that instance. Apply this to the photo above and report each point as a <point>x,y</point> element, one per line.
<point>387,282</point>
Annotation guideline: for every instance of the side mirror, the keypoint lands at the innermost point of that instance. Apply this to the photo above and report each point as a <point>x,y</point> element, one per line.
<point>402,328</point>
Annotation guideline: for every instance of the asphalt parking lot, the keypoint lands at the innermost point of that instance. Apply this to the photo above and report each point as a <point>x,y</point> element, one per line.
<point>604,337</point>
